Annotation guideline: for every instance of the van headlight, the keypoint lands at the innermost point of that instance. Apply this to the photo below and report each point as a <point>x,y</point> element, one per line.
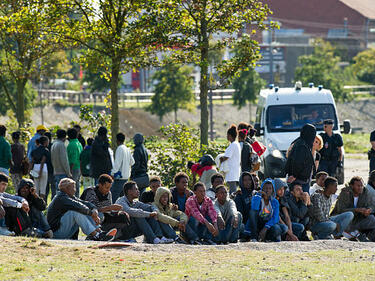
<point>277,154</point>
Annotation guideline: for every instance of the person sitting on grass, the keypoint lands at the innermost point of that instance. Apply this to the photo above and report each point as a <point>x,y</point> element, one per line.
<point>111,215</point>
<point>148,196</point>
<point>264,215</point>
<point>319,184</point>
<point>216,180</point>
<point>67,213</point>
<point>180,193</point>
<point>143,217</point>
<point>295,230</point>
<point>229,220</point>
<point>16,210</point>
<point>299,202</point>
<point>169,217</point>
<point>357,199</point>
<point>322,225</point>
<point>202,214</point>
<point>37,205</point>
<point>243,200</point>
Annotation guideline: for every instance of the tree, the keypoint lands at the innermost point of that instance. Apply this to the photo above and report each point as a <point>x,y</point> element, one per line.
<point>364,66</point>
<point>114,36</point>
<point>173,90</point>
<point>188,26</point>
<point>26,37</point>
<point>247,87</point>
<point>321,68</point>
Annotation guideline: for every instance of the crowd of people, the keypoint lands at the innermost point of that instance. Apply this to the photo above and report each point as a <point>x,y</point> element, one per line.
<point>227,204</point>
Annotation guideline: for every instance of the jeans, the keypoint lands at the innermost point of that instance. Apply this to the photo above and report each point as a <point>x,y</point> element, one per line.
<point>200,229</point>
<point>5,171</point>
<point>298,229</point>
<point>167,230</point>
<point>328,166</point>
<point>117,188</point>
<point>324,229</point>
<point>274,233</point>
<point>58,178</point>
<point>149,227</point>
<point>38,219</point>
<point>230,234</point>
<point>76,174</point>
<point>70,223</point>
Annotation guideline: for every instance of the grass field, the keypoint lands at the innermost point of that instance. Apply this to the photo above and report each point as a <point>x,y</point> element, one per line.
<point>32,259</point>
<point>356,143</point>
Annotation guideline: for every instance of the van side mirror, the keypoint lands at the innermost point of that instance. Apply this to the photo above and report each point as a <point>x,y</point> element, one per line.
<point>260,131</point>
<point>346,127</point>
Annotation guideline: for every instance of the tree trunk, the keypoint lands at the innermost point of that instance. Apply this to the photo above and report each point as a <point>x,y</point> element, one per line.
<point>204,83</point>
<point>250,112</point>
<point>20,114</point>
<point>114,101</point>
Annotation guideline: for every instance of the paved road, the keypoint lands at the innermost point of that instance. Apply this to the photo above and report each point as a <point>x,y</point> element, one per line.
<point>356,165</point>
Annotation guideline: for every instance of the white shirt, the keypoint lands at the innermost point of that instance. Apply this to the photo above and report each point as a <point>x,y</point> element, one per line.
<point>233,152</point>
<point>356,201</point>
<point>123,161</point>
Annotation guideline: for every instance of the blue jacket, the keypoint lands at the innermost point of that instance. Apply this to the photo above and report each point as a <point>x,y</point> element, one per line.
<point>256,204</point>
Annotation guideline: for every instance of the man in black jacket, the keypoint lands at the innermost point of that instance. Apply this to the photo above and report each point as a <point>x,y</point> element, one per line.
<point>100,162</point>
<point>37,205</point>
<point>300,164</point>
<point>180,193</point>
<point>139,169</point>
<point>67,213</point>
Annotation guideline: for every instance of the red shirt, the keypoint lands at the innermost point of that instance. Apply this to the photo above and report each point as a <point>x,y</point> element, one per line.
<point>199,212</point>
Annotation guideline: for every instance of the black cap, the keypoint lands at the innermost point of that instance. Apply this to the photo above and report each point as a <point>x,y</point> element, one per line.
<point>328,122</point>
<point>24,182</point>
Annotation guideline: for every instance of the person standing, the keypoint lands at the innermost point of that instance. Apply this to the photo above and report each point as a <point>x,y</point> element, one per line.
<point>371,152</point>
<point>331,153</point>
<point>139,169</point>
<point>300,164</point>
<point>100,162</point>
<point>18,155</point>
<point>80,138</point>
<point>74,150</point>
<point>40,157</point>
<point>40,131</point>
<point>59,158</point>
<point>5,152</point>
<point>233,156</point>
<point>85,159</point>
<point>246,150</point>
<point>122,166</point>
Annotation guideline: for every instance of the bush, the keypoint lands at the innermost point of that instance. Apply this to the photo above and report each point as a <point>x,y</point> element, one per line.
<point>181,145</point>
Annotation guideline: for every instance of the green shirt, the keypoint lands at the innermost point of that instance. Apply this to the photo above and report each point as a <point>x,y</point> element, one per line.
<point>74,150</point>
<point>5,153</point>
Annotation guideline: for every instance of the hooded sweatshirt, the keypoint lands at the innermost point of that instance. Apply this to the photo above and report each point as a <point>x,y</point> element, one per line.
<point>300,163</point>
<point>243,199</point>
<point>140,155</point>
<point>166,214</point>
<point>258,204</point>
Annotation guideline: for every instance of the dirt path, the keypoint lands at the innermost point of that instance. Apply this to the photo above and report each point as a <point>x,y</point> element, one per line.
<point>356,165</point>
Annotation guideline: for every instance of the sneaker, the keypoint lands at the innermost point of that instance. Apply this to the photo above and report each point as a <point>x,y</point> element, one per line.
<point>157,241</point>
<point>48,234</point>
<point>253,240</point>
<point>196,242</point>
<point>4,231</point>
<point>29,232</point>
<point>363,238</point>
<point>131,240</point>
<point>103,236</point>
<point>165,240</point>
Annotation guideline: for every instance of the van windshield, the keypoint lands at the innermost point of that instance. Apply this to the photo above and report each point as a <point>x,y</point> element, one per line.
<point>286,118</point>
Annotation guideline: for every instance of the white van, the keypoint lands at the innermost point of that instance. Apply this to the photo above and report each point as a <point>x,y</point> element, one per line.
<point>282,112</point>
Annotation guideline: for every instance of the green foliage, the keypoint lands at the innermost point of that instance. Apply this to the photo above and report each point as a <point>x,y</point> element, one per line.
<point>94,120</point>
<point>357,143</point>
<point>97,82</point>
<point>364,66</point>
<point>321,68</point>
<point>247,87</point>
<point>181,146</point>
<point>173,90</point>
